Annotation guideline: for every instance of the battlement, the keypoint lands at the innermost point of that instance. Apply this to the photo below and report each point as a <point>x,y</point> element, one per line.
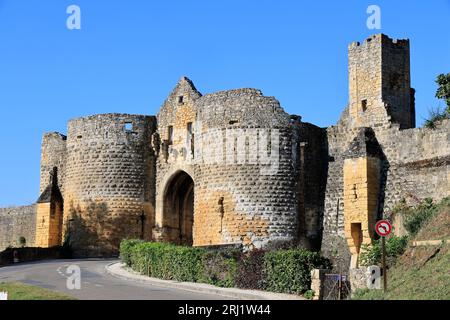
<point>379,39</point>
<point>104,127</point>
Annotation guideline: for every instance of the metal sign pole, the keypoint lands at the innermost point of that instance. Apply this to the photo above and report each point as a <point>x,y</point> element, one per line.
<point>383,248</point>
<point>383,228</point>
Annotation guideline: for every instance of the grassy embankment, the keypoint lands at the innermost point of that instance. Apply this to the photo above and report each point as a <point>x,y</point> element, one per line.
<point>19,291</point>
<point>422,272</point>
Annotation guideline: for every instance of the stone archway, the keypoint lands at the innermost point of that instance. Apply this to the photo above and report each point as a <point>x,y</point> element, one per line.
<point>178,209</point>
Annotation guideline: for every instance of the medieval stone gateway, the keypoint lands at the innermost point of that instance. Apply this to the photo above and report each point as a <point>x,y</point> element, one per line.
<point>232,167</point>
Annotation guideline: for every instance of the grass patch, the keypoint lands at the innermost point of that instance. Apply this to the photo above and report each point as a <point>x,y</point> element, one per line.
<point>20,291</point>
<point>421,274</point>
<point>438,227</point>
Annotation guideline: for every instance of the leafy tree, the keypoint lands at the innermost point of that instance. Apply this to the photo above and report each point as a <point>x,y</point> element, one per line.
<point>443,92</point>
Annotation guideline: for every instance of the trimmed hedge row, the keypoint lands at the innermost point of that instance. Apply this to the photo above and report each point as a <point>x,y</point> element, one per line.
<point>285,271</point>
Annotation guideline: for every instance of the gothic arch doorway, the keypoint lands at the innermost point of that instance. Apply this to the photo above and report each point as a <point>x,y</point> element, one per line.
<point>178,209</point>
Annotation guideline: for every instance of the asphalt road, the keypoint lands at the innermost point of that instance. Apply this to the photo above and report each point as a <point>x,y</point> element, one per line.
<point>96,284</point>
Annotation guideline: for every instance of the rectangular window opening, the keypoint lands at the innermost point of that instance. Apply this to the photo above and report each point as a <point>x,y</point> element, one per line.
<point>170,134</point>
<point>357,235</point>
<point>364,105</point>
<point>128,126</point>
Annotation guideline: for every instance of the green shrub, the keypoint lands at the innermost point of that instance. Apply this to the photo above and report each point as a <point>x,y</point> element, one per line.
<point>415,218</point>
<point>250,272</point>
<point>166,261</point>
<point>435,116</point>
<point>371,254</point>
<point>125,250</point>
<point>219,268</point>
<point>289,271</point>
<point>309,294</point>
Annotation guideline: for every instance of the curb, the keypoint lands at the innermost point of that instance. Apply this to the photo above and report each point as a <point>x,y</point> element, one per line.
<point>116,269</point>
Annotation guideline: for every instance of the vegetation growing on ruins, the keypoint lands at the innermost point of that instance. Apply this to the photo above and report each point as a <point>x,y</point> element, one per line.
<point>415,218</point>
<point>371,255</point>
<point>421,272</point>
<point>443,92</point>
<point>285,271</point>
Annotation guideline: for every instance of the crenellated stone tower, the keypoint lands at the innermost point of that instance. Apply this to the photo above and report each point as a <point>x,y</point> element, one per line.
<point>380,83</point>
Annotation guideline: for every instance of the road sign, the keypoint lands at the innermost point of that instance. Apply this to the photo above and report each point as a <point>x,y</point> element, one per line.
<point>383,228</point>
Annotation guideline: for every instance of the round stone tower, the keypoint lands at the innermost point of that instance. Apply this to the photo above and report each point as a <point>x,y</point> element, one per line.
<point>109,182</point>
<point>245,172</point>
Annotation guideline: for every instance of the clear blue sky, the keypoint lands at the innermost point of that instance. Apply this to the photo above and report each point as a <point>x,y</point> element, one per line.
<point>129,55</point>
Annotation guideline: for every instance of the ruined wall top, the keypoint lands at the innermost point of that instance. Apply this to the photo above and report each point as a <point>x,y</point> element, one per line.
<point>241,108</point>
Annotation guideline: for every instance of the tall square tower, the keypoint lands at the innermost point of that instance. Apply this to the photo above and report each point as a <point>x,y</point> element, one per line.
<point>380,83</point>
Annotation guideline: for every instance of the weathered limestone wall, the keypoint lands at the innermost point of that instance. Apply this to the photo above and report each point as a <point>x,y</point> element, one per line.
<point>109,181</point>
<point>333,240</point>
<point>312,158</point>
<point>234,202</point>
<point>48,225</point>
<point>174,153</point>
<point>17,222</point>
<point>53,154</point>
<point>416,165</point>
<point>259,207</point>
<point>361,195</point>
<point>380,83</point>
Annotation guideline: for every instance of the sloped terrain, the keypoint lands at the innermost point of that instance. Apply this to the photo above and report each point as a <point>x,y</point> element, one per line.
<point>422,272</point>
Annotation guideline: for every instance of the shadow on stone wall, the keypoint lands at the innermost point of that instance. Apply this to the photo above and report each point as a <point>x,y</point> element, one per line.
<point>19,255</point>
<point>336,248</point>
<point>97,232</point>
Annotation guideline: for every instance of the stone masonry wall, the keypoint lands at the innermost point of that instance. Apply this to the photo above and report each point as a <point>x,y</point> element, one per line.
<point>258,208</point>
<point>53,154</point>
<point>109,185</point>
<point>16,222</point>
<point>312,159</point>
<point>417,165</point>
<point>379,83</point>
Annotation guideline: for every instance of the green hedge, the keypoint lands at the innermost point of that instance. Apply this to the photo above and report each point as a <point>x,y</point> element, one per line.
<point>286,271</point>
<point>165,261</point>
<point>289,271</point>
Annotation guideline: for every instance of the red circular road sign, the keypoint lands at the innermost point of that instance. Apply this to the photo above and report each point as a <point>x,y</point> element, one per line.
<point>383,228</point>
